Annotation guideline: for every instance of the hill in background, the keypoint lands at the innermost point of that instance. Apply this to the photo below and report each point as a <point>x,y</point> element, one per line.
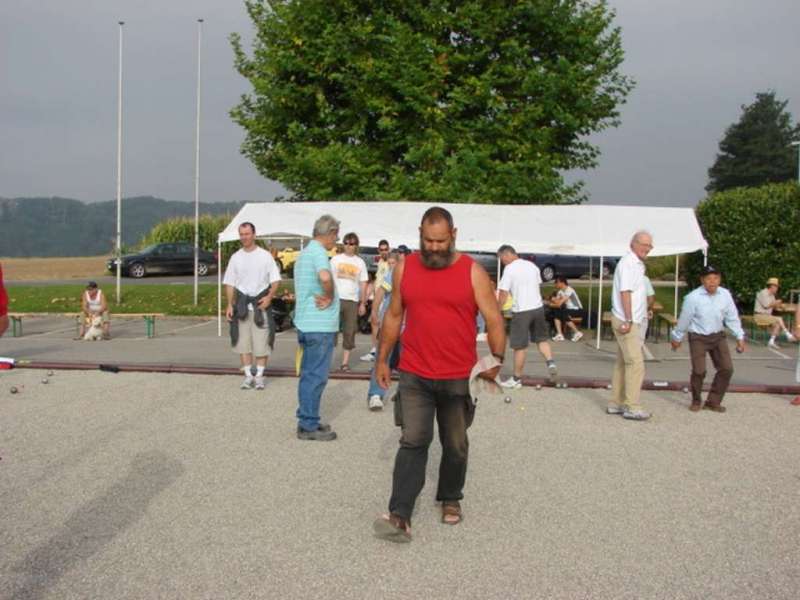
<point>67,227</point>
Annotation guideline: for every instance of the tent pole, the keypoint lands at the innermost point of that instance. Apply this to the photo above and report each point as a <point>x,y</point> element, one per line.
<point>705,257</point>
<point>675,302</point>
<point>600,307</point>
<point>219,288</point>
<point>589,312</point>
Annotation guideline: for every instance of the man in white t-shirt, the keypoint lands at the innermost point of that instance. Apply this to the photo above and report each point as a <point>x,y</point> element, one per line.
<point>563,308</point>
<point>350,276</point>
<point>628,314</point>
<point>521,279</point>
<point>251,280</point>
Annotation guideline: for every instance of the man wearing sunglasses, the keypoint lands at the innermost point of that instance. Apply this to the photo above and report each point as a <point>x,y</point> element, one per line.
<point>350,276</point>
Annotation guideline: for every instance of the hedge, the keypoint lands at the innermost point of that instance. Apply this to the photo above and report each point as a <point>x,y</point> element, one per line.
<point>753,234</point>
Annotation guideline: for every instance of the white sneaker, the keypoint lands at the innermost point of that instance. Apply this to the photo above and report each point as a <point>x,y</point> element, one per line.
<point>790,337</point>
<point>773,345</point>
<point>368,357</point>
<point>577,337</point>
<point>636,415</point>
<point>260,382</point>
<point>512,383</point>
<point>375,402</point>
<point>615,409</point>
<point>481,337</point>
<point>248,382</point>
<point>558,338</point>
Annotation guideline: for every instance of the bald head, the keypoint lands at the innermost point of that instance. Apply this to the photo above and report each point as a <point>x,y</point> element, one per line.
<point>641,243</point>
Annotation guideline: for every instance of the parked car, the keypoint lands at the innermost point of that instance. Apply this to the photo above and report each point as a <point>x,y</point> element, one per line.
<point>550,265</point>
<point>177,258</point>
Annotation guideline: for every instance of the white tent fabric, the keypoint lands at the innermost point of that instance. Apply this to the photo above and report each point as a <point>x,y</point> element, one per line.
<point>581,230</point>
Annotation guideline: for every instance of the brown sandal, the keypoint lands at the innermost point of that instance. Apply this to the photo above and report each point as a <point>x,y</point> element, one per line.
<point>452,508</point>
<point>392,528</point>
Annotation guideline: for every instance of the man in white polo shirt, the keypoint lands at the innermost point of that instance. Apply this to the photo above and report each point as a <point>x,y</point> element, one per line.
<point>628,313</point>
<point>521,279</point>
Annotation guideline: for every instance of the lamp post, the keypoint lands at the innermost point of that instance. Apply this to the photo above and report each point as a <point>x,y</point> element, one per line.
<point>197,168</point>
<point>119,168</point>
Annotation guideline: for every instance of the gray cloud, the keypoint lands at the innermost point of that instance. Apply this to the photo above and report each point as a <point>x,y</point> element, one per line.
<point>695,62</point>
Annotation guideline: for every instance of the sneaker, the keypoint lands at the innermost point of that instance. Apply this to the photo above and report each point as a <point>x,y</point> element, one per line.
<point>577,337</point>
<point>512,383</point>
<point>481,337</point>
<point>316,436</point>
<point>636,415</point>
<point>324,427</point>
<point>558,338</point>
<point>375,402</point>
<point>773,345</point>
<point>615,409</point>
<point>248,382</point>
<point>552,370</point>
<point>790,337</point>
<point>260,382</point>
<point>368,357</point>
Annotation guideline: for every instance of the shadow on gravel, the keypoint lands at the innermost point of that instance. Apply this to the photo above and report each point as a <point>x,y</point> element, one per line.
<point>94,525</point>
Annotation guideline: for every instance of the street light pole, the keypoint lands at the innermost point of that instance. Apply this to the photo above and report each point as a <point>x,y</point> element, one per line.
<point>119,168</point>
<point>197,168</point>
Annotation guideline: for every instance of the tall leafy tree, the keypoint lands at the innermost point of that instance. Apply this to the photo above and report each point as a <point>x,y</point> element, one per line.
<point>438,100</point>
<point>757,149</point>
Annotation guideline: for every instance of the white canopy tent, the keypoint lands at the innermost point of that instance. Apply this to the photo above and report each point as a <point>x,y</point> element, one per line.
<point>575,230</point>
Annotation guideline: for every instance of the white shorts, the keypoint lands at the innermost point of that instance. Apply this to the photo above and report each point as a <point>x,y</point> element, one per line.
<point>252,339</point>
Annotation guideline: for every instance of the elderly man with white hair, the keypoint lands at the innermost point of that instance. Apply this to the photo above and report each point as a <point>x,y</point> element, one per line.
<point>628,312</point>
<point>316,318</point>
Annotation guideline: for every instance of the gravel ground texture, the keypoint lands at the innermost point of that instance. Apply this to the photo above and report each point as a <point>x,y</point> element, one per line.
<point>178,486</point>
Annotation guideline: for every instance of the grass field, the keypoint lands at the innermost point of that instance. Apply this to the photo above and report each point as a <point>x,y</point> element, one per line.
<point>178,300</point>
<point>41,269</point>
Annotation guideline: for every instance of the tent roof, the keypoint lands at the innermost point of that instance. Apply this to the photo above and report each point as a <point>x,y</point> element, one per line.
<point>582,230</point>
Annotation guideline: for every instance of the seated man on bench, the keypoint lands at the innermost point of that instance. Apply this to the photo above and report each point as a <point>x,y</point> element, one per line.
<point>563,308</point>
<point>93,304</point>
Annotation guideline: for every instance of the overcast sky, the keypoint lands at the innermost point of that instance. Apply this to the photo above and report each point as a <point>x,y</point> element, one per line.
<point>695,62</point>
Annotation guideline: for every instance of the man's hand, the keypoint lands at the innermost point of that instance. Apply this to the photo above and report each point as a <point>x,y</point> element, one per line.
<point>362,309</point>
<point>740,347</point>
<point>229,313</point>
<point>383,374</point>
<point>625,327</point>
<point>675,345</point>
<point>490,374</point>
<point>264,303</point>
<point>322,301</point>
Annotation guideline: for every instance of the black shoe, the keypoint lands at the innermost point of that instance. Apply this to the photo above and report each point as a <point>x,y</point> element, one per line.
<point>317,436</point>
<point>324,427</point>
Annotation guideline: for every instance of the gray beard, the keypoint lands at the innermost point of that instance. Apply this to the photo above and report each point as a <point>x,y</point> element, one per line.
<point>440,259</point>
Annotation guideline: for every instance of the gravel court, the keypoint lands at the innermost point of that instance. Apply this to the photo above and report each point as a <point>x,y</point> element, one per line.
<point>175,486</point>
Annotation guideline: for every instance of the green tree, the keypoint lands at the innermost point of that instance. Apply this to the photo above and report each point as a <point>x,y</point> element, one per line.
<point>436,100</point>
<point>757,149</point>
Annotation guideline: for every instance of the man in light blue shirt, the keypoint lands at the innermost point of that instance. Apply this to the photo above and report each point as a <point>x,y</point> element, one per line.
<point>316,318</point>
<point>705,313</point>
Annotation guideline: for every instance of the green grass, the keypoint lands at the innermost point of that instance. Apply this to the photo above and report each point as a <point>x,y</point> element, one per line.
<point>158,298</point>
<point>664,295</point>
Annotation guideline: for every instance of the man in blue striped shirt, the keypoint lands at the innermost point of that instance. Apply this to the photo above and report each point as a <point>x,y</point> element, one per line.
<point>316,318</point>
<point>705,313</point>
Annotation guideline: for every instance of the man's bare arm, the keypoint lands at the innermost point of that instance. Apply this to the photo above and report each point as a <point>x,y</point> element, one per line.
<point>393,319</point>
<point>489,309</point>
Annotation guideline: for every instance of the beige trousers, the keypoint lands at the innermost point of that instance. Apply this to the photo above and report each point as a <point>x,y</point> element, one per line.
<point>626,383</point>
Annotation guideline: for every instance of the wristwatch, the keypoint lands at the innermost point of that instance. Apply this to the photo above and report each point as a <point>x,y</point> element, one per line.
<point>499,357</point>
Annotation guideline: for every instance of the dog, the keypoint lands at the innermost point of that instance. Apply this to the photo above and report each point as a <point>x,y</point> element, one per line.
<point>95,331</point>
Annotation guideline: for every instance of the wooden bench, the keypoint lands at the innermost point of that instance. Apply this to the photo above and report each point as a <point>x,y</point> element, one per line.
<point>750,322</point>
<point>149,320</point>
<point>670,320</point>
<point>606,321</point>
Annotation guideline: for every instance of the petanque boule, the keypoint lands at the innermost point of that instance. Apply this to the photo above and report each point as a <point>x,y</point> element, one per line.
<point>685,390</point>
<point>538,387</point>
<point>14,389</point>
<point>507,399</point>
<point>45,380</point>
<point>49,373</point>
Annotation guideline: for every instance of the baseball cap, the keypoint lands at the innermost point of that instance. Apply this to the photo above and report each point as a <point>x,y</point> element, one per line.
<point>91,285</point>
<point>403,249</point>
<point>709,270</point>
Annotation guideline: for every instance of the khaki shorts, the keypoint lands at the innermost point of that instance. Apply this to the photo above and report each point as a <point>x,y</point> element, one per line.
<point>348,318</point>
<point>765,320</point>
<point>252,339</point>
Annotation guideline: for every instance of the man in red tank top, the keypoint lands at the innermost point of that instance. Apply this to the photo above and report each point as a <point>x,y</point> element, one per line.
<point>3,305</point>
<point>440,292</point>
